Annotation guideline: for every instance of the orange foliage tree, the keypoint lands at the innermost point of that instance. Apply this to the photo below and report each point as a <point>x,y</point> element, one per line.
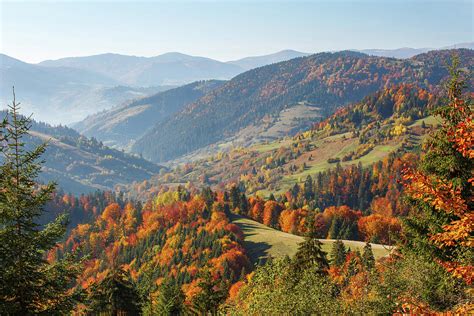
<point>442,188</point>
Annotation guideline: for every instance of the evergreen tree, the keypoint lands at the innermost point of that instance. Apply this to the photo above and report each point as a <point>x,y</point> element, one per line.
<point>444,166</point>
<point>116,294</point>
<point>308,188</point>
<point>213,293</point>
<point>335,228</point>
<point>353,267</point>
<point>244,206</point>
<point>235,197</point>
<point>438,231</point>
<point>338,253</point>
<point>170,299</point>
<point>310,256</point>
<point>368,259</point>
<point>28,283</point>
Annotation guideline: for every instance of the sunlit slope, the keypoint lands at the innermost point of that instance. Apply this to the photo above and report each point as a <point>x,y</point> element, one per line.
<point>262,241</point>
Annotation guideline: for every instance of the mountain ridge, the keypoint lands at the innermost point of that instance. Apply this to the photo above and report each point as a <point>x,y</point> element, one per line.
<point>81,165</point>
<point>328,80</point>
<point>125,123</point>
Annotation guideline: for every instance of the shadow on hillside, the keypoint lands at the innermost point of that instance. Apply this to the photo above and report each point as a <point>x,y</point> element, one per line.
<point>257,251</point>
<point>249,228</point>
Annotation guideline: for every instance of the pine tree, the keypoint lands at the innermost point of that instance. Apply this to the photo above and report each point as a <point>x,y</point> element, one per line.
<point>244,206</point>
<point>213,292</point>
<point>308,188</point>
<point>310,256</point>
<point>116,294</point>
<point>338,253</point>
<point>170,299</point>
<point>438,232</point>
<point>443,172</point>
<point>353,267</point>
<point>235,197</point>
<point>28,283</point>
<point>335,228</point>
<point>368,259</point>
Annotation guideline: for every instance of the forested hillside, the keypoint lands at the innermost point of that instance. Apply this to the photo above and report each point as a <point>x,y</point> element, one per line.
<point>165,248</point>
<point>326,81</point>
<point>179,240</point>
<point>80,164</point>
<point>122,125</point>
<point>431,271</point>
<point>391,121</point>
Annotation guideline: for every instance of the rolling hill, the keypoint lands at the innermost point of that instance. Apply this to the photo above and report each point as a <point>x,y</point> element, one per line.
<point>166,69</point>
<point>408,52</point>
<point>254,101</point>
<point>122,125</point>
<point>386,123</point>
<point>248,63</point>
<point>262,241</point>
<point>62,94</point>
<point>80,165</point>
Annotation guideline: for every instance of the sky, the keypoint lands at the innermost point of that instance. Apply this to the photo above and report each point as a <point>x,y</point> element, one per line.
<point>226,30</point>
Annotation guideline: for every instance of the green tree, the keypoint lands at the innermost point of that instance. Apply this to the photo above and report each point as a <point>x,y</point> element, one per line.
<point>213,293</point>
<point>338,253</point>
<point>234,197</point>
<point>436,190</point>
<point>273,290</point>
<point>335,228</point>
<point>170,299</point>
<point>308,188</point>
<point>29,284</point>
<point>116,294</point>
<point>310,256</point>
<point>442,166</point>
<point>368,259</point>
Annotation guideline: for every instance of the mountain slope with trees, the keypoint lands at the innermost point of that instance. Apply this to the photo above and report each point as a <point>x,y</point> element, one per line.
<point>80,164</point>
<point>390,121</point>
<point>326,81</point>
<point>122,125</point>
<point>431,272</point>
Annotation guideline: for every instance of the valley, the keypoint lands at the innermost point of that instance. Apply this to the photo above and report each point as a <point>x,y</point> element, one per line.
<point>289,183</point>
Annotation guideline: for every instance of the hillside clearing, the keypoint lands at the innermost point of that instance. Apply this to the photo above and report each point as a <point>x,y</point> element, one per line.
<point>262,241</point>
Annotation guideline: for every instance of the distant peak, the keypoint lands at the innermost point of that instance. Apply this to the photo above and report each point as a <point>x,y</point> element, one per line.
<point>6,60</point>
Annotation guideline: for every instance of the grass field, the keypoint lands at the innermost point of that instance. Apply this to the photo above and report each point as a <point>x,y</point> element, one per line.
<point>320,163</point>
<point>262,241</point>
<point>430,120</point>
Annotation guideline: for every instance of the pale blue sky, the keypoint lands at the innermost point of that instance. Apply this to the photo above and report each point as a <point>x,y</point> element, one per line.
<point>226,30</point>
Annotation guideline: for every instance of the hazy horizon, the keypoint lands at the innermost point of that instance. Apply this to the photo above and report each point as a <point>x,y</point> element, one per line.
<point>227,30</point>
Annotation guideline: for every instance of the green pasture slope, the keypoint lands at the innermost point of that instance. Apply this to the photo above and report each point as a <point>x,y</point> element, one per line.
<point>262,241</point>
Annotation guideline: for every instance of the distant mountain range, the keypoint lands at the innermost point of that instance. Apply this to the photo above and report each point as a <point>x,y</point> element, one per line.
<point>69,89</point>
<point>259,61</point>
<point>62,94</point>
<point>407,52</point>
<point>254,102</point>
<point>166,69</point>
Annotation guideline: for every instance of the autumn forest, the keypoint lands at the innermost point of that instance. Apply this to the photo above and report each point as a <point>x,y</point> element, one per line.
<point>335,183</point>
